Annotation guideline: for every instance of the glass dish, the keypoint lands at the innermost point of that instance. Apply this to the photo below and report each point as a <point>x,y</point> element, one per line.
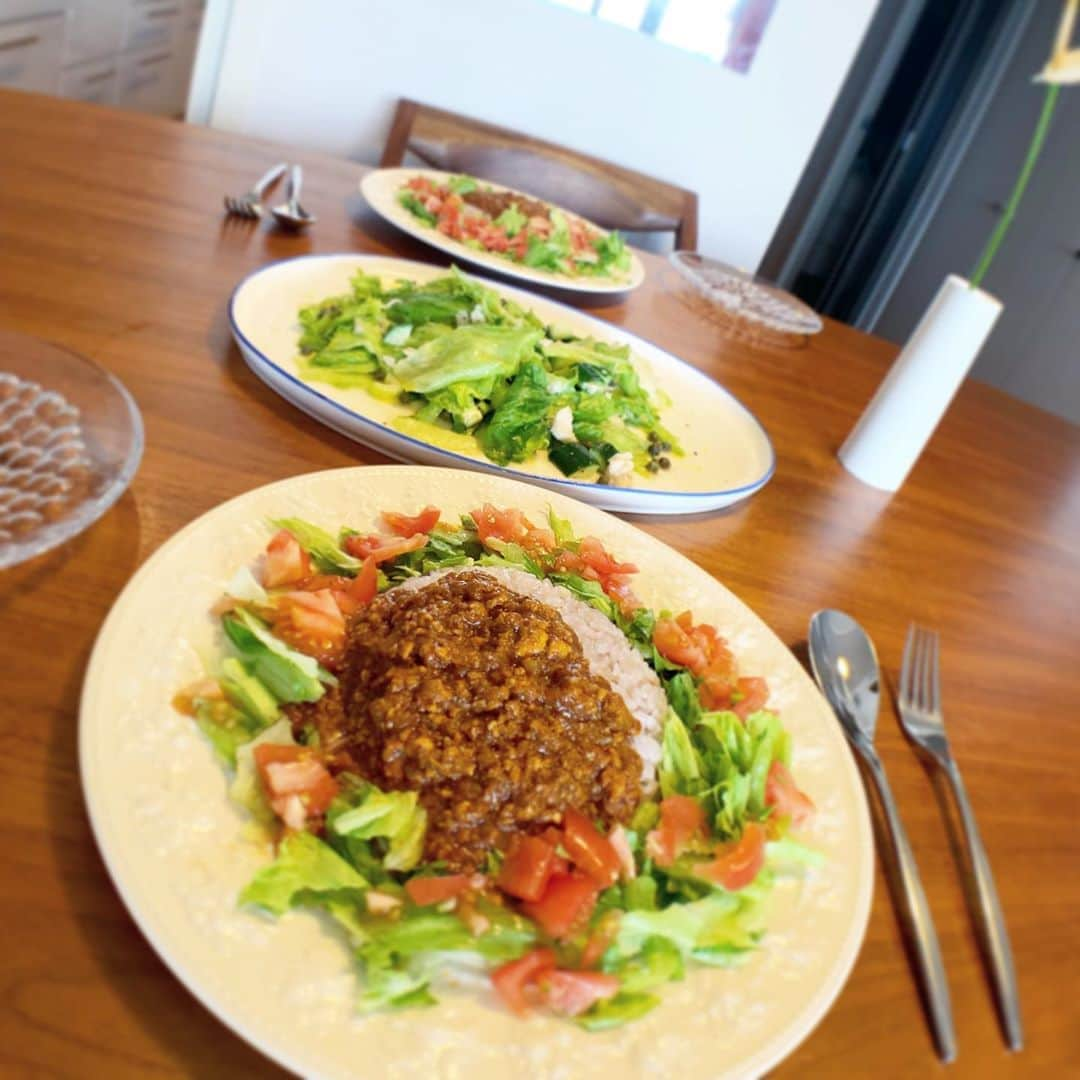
<point>71,438</point>
<point>742,304</point>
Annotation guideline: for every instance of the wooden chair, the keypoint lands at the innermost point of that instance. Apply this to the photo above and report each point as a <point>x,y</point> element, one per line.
<point>611,196</point>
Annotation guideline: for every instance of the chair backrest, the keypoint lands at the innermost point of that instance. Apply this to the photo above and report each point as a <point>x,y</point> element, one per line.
<point>611,196</point>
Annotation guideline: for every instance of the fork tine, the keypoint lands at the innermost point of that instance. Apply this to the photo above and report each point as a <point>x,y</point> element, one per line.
<point>934,703</point>
<point>907,667</point>
<point>923,680</point>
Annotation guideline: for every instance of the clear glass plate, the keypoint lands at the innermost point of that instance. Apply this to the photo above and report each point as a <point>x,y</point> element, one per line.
<point>741,303</point>
<point>71,438</point>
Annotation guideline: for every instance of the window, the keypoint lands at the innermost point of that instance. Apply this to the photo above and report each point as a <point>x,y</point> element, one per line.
<point>727,31</point>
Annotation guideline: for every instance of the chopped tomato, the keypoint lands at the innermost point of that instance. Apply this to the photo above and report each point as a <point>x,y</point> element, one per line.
<point>434,890</point>
<point>681,819</point>
<point>675,644</point>
<point>382,548</point>
<point>422,185</point>
<point>527,867</point>
<point>755,692</point>
<point>566,904</point>
<point>593,554</point>
<point>366,583</point>
<point>296,782</point>
<point>286,562</point>
<point>588,848</point>
<point>570,993</point>
<point>511,980</point>
<point>785,798</point>
<point>311,622</point>
<point>737,864</point>
<point>511,527</point>
<point>403,525</point>
<point>715,691</point>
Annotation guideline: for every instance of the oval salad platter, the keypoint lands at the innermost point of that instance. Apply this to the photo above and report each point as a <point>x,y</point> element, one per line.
<point>721,452</point>
<point>384,189</point>
<point>180,851</point>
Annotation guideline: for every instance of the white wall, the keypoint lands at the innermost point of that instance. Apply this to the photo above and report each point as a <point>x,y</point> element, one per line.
<point>327,74</point>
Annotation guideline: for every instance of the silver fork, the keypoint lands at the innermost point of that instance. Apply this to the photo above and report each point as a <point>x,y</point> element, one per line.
<point>249,205</point>
<point>921,717</point>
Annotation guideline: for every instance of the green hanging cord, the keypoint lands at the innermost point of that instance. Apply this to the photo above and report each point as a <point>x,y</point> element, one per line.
<point>1034,149</point>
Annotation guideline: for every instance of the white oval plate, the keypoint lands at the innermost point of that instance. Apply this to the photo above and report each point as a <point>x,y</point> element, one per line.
<point>728,454</point>
<point>381,186</point>
<point>179,852</point>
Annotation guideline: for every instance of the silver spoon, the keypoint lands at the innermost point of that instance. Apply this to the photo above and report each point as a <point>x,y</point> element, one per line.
<point>846,668</point>
<point>290,214</point>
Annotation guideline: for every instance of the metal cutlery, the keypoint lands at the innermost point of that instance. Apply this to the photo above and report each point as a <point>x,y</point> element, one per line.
<point>249,205</point>
<point>846,668</point>
<point>290,214</point>
<point>921,717</point>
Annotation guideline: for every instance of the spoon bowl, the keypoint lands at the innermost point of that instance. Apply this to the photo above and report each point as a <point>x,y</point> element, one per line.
<point>290,214</point>
<point>845,665</point>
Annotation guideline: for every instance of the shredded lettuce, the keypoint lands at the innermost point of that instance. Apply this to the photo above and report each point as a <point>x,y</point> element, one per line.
<point>321,546</point>
<point>306,870</point>
<point>469,362</point>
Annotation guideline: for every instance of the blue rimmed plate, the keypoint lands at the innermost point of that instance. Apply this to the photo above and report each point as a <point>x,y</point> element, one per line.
<point>728,455</point>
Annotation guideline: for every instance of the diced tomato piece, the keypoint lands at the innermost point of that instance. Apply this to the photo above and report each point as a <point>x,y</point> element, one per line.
<point>566,904</point>
<point>313,623</point>
<point>404,525</point>
<point>785,798</point>
<point>421,185</point>
<point>423,891</point>
<point>286,562</point>
<point>681,819</point>
<point>737,864</point>
<point>675,644</point>
<point>715,691</point>
<point>527,867</point>
<point>589,849</point>
<point>273,753</point>
<point>593,554</point>
<point>511,980</point>
<point>382,548</point>
<point>366,583</point>
<point>350,594</point>
<point>617,586</point>
<point>755,693</point>
<point>570,993</point>
<point>288,773</point>
<point>506,525</point>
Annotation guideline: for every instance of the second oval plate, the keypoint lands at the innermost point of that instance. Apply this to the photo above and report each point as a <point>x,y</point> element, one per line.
<point>728,455</point>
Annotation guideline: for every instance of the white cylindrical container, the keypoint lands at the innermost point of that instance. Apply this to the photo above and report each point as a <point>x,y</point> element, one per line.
<point>901,417</point>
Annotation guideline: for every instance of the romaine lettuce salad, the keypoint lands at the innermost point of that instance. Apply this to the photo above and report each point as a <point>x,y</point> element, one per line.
<point>481,372</point>
<point>586,921</point>
<point>515,227</point>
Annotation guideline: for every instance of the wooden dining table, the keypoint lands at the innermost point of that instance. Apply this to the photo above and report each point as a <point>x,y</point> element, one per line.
<point>113,243</point>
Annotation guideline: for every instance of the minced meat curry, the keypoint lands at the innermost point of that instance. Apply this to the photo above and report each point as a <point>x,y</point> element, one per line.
<point>482,701</point>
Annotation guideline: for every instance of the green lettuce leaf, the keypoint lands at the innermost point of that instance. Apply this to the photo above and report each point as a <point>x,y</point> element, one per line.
<point>466,354</point>
<point>321,546</point>
<point>306,870</point>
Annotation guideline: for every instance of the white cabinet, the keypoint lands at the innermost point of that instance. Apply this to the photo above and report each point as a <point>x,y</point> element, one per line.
<point>95,29</point>
<point>135,53</point>
<point>95,81</point>
<point>30,52</point>
<point>154,24</point>
<point>147,81</point>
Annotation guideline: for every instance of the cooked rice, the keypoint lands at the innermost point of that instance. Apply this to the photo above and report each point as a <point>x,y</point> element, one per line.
<point>605,647</point>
